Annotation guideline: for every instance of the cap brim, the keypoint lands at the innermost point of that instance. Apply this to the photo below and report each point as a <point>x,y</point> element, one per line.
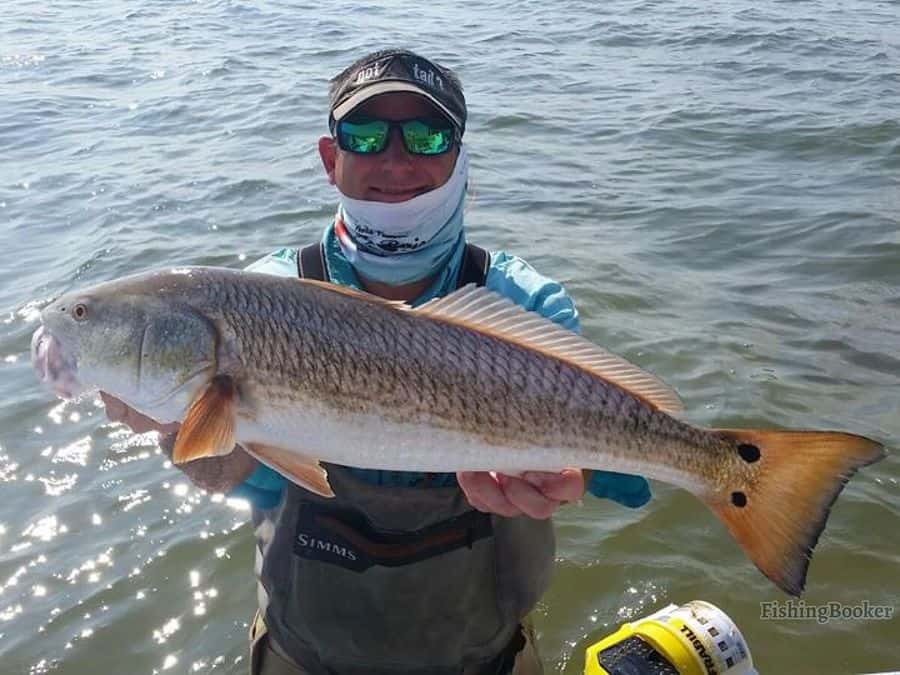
<point>379,88</point>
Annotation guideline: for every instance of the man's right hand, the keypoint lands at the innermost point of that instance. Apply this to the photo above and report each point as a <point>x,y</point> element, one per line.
<point>213,474</point>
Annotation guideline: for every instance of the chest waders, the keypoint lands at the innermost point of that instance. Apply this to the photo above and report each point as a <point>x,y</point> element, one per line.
<point>387,580</point>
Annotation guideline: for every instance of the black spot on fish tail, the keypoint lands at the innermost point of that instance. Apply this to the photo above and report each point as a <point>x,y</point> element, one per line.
<point>749,452</point>
<point>739,499</point>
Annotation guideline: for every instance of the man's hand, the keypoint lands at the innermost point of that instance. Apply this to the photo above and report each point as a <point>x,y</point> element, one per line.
<point>213,474</point>
<point>537,494</point>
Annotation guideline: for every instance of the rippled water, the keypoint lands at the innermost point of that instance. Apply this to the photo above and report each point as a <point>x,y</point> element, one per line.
<point>716,184</point>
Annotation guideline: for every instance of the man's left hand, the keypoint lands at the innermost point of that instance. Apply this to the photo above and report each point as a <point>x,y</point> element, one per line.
<point>537,494</point>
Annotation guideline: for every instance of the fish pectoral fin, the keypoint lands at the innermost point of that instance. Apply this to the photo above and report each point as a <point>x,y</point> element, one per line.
<point>208,427</point>
<point>302,470</point>
<point>777,516</point>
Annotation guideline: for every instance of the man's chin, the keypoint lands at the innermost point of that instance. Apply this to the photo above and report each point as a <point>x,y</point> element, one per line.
<point>394,197</point>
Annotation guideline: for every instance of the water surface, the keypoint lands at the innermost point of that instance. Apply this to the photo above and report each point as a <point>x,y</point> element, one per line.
<point>715,184</point>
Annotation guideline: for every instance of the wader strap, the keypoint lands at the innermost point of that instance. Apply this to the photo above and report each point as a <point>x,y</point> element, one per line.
<point>311,263</point>
<point>347,539</point>
<point>474,266</point>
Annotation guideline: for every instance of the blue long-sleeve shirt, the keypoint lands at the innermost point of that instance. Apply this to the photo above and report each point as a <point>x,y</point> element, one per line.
<point>508,276</point>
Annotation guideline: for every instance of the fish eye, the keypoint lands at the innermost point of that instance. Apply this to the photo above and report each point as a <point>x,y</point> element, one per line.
<point>79,312</point>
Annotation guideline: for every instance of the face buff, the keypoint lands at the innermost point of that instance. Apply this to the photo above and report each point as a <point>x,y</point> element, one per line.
<point>407,241</point>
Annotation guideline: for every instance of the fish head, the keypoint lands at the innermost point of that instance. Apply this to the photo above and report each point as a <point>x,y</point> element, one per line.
<point>152,352</point>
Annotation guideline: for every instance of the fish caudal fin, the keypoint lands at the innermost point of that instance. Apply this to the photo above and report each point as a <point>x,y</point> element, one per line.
<point>208,427</point>
<point>778,517</point>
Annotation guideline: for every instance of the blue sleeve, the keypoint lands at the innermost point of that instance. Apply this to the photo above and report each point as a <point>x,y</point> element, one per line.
<point>515,279</point>
<point>262,488</point>
<point>625,488</point>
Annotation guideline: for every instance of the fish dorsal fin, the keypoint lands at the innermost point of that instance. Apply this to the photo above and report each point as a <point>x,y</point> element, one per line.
<point>485,311</point>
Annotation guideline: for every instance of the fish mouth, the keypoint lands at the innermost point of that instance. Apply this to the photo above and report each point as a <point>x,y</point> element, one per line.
<point>53,366</point>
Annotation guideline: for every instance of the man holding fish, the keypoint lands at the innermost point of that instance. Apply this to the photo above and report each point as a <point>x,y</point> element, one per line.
<point>397,158</point>
<point>406,553</point>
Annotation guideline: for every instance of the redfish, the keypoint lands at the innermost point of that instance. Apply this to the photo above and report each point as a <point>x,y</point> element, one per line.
<point>298,372</point>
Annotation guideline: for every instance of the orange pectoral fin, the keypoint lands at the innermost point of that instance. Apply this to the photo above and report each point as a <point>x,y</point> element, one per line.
<point>208,428</point>
<point>304,471</point>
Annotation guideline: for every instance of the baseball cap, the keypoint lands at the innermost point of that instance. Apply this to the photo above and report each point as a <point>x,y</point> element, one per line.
<point>396,70</point>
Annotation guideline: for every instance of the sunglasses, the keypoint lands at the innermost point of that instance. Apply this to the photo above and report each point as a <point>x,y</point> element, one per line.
<point>421,136</point>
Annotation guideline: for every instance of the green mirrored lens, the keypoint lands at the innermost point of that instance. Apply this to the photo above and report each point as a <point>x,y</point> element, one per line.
<point>422,138</point>
<point>363,137</point>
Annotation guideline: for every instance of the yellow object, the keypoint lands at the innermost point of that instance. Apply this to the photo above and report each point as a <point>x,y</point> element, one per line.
<point>696,638</point>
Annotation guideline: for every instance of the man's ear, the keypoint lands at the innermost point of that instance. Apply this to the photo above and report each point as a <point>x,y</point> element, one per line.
<point>328,153</point>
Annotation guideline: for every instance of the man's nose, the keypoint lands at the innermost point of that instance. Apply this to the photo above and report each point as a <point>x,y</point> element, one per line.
<point>396,148</point>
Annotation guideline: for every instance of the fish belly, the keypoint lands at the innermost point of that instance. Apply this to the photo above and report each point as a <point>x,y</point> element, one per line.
<point>372,441</point>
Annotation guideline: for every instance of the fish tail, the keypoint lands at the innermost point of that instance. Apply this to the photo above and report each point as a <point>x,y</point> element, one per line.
<point>778,515</point>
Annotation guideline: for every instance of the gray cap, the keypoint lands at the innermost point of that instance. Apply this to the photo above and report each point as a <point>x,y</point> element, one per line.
<point>395,70</point>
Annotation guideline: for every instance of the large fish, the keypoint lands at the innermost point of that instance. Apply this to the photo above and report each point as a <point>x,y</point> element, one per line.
<point>302,371</point>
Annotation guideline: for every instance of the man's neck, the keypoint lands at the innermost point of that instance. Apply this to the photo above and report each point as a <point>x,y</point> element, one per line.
<point>404,292</point>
